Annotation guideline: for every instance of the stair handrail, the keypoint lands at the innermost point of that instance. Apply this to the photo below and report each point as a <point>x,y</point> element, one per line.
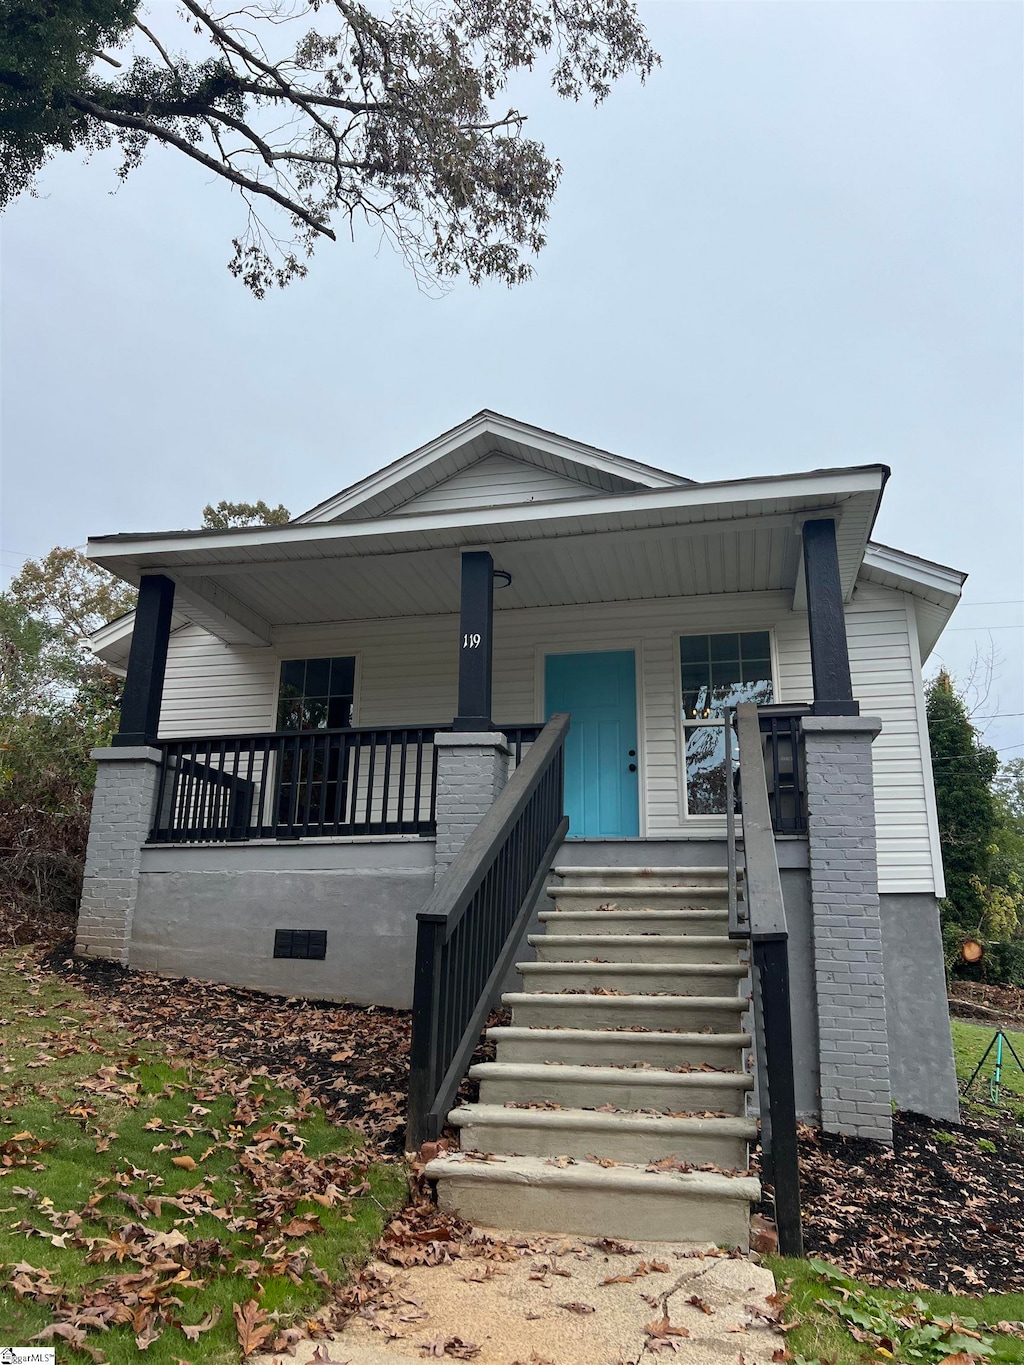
<point>506,858</point>
<point>763,921</point>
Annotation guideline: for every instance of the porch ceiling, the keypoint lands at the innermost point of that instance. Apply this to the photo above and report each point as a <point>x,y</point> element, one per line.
<point>673,542</point>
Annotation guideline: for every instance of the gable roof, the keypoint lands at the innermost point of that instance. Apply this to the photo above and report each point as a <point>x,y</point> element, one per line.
<point>514,462</point>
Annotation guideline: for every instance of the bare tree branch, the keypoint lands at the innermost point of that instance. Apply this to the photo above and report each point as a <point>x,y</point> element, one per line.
<point>228,172</point>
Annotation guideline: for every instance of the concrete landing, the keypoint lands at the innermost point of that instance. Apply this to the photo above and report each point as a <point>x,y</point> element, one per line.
<point>518,1310</point>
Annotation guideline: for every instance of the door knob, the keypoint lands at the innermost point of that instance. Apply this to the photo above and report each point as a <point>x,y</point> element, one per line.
<point>632,767</point>
<point>632,753</point>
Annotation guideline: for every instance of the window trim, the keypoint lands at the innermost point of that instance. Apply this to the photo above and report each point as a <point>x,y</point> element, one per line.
<point>354,654</point>
<point>711,822</point>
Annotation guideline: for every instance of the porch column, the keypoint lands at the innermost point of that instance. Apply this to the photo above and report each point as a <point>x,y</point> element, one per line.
<point>123,803</point>
<point>472,770</point>
<point>847,927</point>
<point>826,623</point>
<point>147,661</point>
<point>475,624</point>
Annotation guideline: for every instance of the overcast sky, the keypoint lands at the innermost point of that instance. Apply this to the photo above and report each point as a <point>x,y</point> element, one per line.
<point>800,245</point>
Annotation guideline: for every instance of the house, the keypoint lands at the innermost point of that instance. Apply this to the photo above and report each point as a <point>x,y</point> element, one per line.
<point>317,715</point>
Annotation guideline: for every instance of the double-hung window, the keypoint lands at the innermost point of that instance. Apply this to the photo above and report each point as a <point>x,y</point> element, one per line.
<point>717,671</point>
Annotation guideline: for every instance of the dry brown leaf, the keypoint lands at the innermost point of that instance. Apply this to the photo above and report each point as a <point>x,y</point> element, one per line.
<point>193,1331</point>
<point>186,1163</point>
<point>662,1327</point>
<point>252,1326</point>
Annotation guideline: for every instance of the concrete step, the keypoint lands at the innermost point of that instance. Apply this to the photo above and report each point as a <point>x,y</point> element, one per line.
<point>639,896</point>
<point>664,1013</point>
<point>647,876</point>
<point>584,1087</point>
<point>530,1195</point>
<point>580,1133</point>
<point>556,947</point>
<point>605,1047</point>
<point>635,978</point>
<point>676,923</point>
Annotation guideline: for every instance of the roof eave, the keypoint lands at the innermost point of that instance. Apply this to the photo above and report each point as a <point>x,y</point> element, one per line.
<point>827,483</point>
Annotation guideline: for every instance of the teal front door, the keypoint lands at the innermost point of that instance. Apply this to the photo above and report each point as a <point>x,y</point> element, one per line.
<point>601,793</point>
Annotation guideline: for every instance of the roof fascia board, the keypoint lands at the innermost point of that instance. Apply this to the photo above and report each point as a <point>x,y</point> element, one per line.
<point>539,545</point>
<point>728,493</point>
<point>483,424</point>
<point>917,572</point>
<point>112,632</point>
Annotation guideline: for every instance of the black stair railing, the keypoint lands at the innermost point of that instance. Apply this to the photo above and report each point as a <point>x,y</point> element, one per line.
<point>757,912</point>
<point>471,927</point>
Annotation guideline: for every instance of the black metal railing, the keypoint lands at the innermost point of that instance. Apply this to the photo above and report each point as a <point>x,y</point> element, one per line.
<point>471,927</point>
<point>519,737</point>
<point>757,912</point>
<point>297,784</point>
<point>783,741</point>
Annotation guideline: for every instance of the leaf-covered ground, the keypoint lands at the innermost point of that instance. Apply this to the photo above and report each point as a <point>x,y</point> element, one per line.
<point>152,1201</point>
<point>943,1210</point>
<point>353,1059</point>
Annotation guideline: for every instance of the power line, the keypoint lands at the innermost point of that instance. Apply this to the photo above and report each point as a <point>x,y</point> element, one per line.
<point>1018,626</point>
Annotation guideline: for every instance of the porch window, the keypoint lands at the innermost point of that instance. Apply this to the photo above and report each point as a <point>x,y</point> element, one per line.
<point>316,694</point>
<point>717,671</point>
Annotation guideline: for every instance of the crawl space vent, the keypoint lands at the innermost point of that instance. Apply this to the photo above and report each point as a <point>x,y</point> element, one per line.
<point>308,943</point>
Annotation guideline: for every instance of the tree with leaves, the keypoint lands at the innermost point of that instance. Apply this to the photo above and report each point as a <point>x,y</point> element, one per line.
<point>228,514</point>
<point>321,110</point>
<point>963,769</point>
<point>57,702</point>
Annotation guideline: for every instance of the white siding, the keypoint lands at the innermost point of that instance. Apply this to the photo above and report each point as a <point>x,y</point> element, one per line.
<point>496,479</point>
<point>212,688</point>
<point>407,674</point>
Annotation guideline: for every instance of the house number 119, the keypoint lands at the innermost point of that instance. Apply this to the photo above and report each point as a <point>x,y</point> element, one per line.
<point>471,641</point>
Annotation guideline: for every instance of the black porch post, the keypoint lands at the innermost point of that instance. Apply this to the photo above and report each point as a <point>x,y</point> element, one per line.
<point>144,685</point>
<point>830,655</point>
<point>475,641</point>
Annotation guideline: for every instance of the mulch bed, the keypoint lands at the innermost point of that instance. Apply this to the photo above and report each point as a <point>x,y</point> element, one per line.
<point>927,1213</point>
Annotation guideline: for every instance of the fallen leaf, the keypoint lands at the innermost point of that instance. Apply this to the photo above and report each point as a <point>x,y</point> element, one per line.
<point>194,1330</point>
<point>252,1326</point>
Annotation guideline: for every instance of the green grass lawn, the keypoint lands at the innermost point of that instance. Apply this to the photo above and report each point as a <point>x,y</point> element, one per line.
<point>969,1044</point>
<point>157,1194</point>
<point>825,1336</point>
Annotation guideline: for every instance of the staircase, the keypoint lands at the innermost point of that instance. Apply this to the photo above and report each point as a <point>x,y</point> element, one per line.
<point>621,1074</point>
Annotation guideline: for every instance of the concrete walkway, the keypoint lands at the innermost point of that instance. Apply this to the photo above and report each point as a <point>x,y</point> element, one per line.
<point>566,1301</point>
